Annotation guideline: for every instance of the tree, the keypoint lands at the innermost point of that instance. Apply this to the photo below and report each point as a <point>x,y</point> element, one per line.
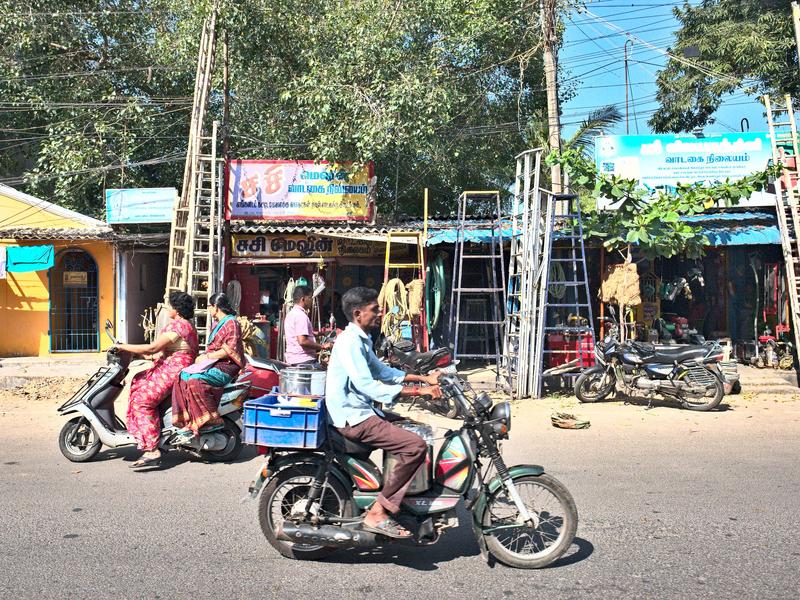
<point>437,92</point>
<point>740,44</point>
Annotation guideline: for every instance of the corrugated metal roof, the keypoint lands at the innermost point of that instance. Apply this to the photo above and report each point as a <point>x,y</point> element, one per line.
<point>57,233</point>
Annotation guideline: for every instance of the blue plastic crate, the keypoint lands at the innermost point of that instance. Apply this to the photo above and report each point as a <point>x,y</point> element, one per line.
<point>266,423</point>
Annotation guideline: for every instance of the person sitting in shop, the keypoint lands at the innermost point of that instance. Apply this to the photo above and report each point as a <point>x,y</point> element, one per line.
<point>301,345</point>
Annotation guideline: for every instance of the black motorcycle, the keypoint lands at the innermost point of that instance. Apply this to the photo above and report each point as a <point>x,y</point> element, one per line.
<point>402,355</point>
<point>691,374</point>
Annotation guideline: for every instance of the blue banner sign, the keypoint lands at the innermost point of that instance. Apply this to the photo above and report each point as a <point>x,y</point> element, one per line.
<point>660,162</point>
<point>140,205</point>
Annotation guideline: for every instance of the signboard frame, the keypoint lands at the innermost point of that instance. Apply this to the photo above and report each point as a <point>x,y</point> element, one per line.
<point>129,206</point>
<point>321,188</point>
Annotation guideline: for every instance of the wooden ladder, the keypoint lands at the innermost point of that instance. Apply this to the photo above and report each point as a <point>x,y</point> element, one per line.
<point>783,136</point>
<point>194,231</point>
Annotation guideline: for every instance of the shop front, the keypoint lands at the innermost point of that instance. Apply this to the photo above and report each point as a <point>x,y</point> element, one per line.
<point>267,261</point>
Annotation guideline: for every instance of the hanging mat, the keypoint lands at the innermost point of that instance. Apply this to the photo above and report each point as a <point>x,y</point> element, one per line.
<point>22,259</point>
<point>621,285</point>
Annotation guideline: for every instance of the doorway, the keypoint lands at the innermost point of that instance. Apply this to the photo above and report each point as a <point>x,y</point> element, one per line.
<point>74,303</point>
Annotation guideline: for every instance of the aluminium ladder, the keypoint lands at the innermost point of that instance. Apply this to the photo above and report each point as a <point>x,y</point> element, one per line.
<point>561,280</point>
<point>194,248</point>
<point>518,340</point>
<point>783,136</point>
<point>492,293</point>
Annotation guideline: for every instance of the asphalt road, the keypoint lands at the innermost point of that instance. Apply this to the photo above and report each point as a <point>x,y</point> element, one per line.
<point>672,504</point>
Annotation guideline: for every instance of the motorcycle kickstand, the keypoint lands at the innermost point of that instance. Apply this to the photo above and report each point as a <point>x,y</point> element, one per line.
<point>649,401</point>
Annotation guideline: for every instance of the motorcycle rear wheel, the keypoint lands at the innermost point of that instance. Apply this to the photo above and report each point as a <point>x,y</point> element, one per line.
<point>709,401</point>
<point>78,441</point>
<point>524,547</point>
<point>284,491</point>
<point>588,385</point>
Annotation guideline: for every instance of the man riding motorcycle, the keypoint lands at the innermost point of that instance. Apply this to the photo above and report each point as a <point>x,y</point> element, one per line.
<point>357,378</point>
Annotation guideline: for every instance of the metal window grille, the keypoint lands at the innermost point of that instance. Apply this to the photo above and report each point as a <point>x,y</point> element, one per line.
<point>74,303</point>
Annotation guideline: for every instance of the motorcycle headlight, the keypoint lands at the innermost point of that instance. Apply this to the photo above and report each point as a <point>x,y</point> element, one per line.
<point>501,418</point>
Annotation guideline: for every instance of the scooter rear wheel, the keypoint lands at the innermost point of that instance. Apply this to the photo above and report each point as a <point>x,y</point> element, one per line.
<point>288,490</point>
<point>78,441</point>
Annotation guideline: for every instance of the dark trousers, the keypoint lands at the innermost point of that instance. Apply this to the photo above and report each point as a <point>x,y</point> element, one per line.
<point>409,448</point>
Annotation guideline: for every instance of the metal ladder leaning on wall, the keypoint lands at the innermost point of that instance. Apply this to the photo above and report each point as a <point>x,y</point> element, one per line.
<point>518,340</point>
<point>494,294</point>
<point>783,135</point>
<point>194,247</point>
<point>562,218</point>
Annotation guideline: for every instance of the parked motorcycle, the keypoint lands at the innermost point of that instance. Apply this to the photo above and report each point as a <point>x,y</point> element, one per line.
<point>311,501</point>
<point>688,373</point>
<point>95,423</point>
<point>402,355</point>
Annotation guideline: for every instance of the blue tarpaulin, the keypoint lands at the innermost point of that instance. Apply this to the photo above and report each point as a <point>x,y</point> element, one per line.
<point>722,229</point>
<point>21,259</point>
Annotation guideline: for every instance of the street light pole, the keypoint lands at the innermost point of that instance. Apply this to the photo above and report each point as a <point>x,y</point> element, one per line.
<point>625,51</point>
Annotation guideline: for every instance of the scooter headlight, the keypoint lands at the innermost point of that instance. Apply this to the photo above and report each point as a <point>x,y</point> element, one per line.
<point>501,418</point>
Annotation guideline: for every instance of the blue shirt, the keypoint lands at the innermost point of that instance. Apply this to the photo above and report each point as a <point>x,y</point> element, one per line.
<point>356,377</point>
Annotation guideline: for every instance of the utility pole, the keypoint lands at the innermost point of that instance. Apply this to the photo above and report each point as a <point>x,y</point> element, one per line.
<point>625,51</point>
<point>550,41</point>
<point>796,22</point>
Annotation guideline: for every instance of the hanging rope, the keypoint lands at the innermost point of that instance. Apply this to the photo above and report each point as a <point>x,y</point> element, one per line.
<point>557,289</point>
<point>393,301</point>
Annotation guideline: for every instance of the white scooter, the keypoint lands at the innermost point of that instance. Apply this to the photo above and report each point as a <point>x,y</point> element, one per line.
<point>95,424</point>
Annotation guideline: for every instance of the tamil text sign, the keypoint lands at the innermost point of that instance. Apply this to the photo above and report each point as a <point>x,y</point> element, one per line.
<point>663,161</point>
<point>303,246</point>
<point>283,190</point>
<point>140,205</point>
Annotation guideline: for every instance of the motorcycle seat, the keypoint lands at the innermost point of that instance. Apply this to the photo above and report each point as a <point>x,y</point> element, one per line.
<point>266,363</point>
<point>347,446</point>
<point>421,360</point>
<point>678,355</point>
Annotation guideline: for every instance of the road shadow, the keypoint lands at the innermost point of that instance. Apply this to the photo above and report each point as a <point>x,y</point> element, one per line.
<point>172,458</point>
<point>455,543</point>
<point>660,403</point>
<point>580,550</point>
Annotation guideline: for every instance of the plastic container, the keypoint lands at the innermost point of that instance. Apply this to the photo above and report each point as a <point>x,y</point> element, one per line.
<point>268,423</point>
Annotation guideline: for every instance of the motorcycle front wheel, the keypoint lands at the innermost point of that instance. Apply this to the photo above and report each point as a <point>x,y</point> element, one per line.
<point>593,385</point>
<point>708,401</point>
<point>555,518</point>
<point>78,441</point>
<point>287,493</point>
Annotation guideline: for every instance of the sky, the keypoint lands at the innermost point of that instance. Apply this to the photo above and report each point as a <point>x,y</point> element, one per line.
<point>593,53</point>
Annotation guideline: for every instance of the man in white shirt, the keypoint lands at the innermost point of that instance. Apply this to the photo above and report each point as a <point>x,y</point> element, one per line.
<point>357,378</point>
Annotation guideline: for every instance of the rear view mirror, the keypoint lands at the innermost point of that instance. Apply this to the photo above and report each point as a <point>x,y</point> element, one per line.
<point>109,325</point>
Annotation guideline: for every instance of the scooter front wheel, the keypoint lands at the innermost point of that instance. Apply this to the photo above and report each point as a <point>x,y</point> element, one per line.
<point>78,441</point>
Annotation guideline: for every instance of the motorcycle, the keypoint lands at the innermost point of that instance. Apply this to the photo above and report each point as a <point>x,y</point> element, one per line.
<point>95,423</point>
<point>311,501</point>
<point>691,374</point>
<point>402,355</point>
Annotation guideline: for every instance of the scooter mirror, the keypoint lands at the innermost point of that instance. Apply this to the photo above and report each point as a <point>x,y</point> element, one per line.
<point>109,326</point>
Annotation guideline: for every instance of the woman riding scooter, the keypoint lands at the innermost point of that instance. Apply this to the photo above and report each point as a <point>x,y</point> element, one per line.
<point>173,350</point>
<point>196,393</point>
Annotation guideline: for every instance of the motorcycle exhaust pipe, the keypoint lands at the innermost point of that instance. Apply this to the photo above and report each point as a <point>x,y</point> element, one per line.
<point>327,535</point>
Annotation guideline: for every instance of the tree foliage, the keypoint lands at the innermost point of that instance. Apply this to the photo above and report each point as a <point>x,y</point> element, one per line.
<point>652,220</point>
<point>741,44</point>
<point>439,93</point>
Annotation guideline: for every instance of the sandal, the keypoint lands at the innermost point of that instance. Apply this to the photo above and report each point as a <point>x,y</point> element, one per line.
<point>183,436</point>
<point>388,527</point>
<point>146,462</point>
